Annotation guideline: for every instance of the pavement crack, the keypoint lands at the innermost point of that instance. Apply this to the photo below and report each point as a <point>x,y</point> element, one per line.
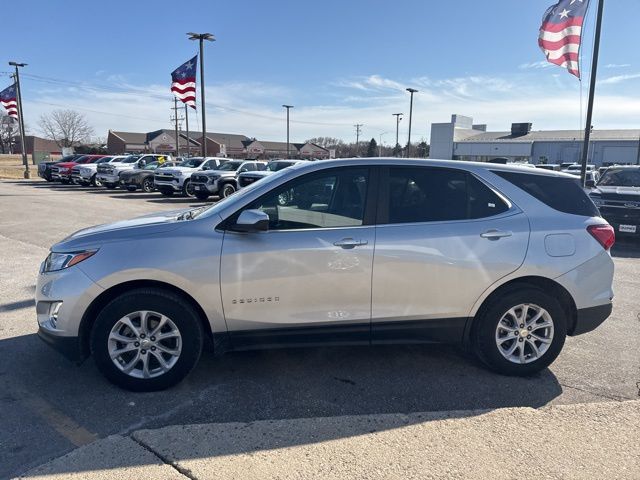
<point>620,398</point>
<point>181,470</point>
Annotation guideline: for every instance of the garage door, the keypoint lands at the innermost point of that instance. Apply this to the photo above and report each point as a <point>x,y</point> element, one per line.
<point>570,154</point>
<point>619,154</point>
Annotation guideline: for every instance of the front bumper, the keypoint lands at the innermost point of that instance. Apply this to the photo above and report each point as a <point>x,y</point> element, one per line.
<point>108,178</point>
<point>69,347</point>
<point>60,176</point>
<point>589,319</point>
<point>80,178</point>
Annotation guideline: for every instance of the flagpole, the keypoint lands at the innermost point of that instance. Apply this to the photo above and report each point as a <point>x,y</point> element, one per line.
<point>186,118</point>
<point>25,160</point>
<point>592,91</point>
<point>175,112</point>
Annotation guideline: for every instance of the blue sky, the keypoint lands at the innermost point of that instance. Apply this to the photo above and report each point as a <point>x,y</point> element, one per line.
<point>338,62</point>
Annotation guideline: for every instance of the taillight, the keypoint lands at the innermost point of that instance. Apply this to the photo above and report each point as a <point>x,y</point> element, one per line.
<point>604,234</point>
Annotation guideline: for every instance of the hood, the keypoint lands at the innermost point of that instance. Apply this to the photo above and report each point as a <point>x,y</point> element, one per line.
<point>146,226</point>
<point>67,164</point>
<point>613,190</point>
<point>176,169</point>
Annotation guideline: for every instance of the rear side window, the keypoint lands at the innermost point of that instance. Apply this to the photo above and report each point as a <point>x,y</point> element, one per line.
<point>419,194</point>
<point>562,194</point>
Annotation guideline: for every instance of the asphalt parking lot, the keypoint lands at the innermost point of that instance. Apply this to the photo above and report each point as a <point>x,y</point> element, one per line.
<point>50,406</point>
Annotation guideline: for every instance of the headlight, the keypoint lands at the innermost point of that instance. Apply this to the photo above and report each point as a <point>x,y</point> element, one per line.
<point>85,170</point>
<point>59,261</point>
<point>178,174</point>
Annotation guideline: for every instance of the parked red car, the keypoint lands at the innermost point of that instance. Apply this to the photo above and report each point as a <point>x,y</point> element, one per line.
<point>61,172</point>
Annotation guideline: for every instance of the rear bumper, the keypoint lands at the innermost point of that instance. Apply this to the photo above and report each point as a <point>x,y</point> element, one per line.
<point>69,347</point>
<point>589,319</point>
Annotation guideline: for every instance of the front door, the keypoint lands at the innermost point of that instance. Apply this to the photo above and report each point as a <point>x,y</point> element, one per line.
<point>308,278</point>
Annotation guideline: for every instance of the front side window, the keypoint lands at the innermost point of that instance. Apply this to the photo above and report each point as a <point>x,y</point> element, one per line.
<point>329,200</point>
<point>419,194</point>
<point>229,166</point>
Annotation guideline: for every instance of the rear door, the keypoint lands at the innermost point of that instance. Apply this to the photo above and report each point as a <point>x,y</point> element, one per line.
<point>443,237</point>
<point>308,278</point>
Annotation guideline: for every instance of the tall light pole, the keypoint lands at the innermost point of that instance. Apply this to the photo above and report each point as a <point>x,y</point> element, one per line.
<point>358,127</point>
<point>201,37</point>
<point>398,118</point>
<point>380,143</point>
<point>411,91</point>
<point>25,161</point>
<point>288,107</point>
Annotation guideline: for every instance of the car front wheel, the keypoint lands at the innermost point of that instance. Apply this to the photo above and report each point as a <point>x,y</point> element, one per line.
<point>147,339</point>
<point>520,332</point>
<point>147,185</point>
<point>228,189</point>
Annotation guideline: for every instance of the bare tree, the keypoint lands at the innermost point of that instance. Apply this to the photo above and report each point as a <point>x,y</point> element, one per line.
<point>66,127</point>
<point>8,131</point>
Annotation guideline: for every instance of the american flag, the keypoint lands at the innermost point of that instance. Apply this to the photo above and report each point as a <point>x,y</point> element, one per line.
<point>561,33</point>
<point>8,100</point>
<point>183,82</point>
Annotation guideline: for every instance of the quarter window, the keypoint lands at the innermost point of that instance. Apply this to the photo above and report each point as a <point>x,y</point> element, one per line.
<point>330,200</point>
<point>419,194</point>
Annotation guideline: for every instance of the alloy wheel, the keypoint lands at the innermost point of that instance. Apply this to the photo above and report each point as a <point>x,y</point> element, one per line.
<point>524,333</point>
<point>144,344</point>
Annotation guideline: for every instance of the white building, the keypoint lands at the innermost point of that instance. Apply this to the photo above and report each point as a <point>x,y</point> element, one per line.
<point>460,139</point>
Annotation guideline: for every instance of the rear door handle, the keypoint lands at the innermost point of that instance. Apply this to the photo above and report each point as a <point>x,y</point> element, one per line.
<point>350,243</point>
<point>495,234</point>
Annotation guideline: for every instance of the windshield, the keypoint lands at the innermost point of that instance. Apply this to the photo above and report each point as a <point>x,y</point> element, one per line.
<point>104,159</point>
<point>620,177</point>
<point>229,166</point>
<point>275,166</point>
<point>192,163</point>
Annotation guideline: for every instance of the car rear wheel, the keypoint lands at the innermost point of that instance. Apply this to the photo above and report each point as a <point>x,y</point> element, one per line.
<point>147,185</point>
<point>147,340</point>
<point>228,189</point>
<point>95,182</point>
<point>521,332</point>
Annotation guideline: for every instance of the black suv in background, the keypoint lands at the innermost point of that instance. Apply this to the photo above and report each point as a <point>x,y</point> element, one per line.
<point>617,196</point>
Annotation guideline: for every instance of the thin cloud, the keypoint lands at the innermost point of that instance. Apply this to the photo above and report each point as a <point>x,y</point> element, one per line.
<point>619,79</point>
<point>618,65</point>
<point>535,65</point>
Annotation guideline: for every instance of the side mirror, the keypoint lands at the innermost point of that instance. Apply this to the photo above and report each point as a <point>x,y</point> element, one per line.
<point>251,221</point>
<point>141,163</point>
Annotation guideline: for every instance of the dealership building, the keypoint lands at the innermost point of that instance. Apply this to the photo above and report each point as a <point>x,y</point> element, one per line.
<point>218,144</point>
<point>461,139</point>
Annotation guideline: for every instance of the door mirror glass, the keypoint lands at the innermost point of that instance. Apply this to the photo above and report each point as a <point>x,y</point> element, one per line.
<point>252,221</point>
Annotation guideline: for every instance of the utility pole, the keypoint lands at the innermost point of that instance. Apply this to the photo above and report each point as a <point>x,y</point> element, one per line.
<point>16,76</point>
<point>176,119</point>
<point>186,119</point>
<point>592,91</point>
<point>201,37</point>
<point>358,127</point>
<point>398,118</point>
<point>411,91</point>
<point>288,107</point>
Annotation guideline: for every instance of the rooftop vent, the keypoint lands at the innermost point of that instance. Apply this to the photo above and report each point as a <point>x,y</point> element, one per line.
<point>520,129</point>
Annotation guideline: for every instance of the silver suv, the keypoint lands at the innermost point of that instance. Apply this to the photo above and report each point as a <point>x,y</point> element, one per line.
<point>505,260</point>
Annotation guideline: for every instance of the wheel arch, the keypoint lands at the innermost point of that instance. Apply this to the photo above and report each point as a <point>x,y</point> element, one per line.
<point>545,284</point>
<point>90,314</point>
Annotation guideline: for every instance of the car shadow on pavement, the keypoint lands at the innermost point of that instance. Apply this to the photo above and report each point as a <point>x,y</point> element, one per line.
<point>246,387</point>
<point>626,248</point>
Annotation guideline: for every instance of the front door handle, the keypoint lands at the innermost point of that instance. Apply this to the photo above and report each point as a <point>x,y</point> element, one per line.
<point>495,234</point>
<point>347,243</point>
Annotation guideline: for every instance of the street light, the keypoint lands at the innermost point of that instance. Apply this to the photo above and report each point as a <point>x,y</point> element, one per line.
<point>411,91</point>
<point>398,118</point>
<point>288,107</point>
<point>201,37</point>
<point>380,143</point>
<point>25,162</point>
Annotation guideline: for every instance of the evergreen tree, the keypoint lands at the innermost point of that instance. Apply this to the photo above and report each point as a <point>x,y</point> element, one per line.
<point>372,149</point>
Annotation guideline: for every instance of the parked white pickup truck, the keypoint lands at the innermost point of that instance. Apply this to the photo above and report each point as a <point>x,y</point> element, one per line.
<point>109,173</point>
<point>85,174</point>
<point>170,180</point>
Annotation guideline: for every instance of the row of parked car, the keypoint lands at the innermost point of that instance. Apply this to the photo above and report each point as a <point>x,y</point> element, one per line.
<point>201,177</point>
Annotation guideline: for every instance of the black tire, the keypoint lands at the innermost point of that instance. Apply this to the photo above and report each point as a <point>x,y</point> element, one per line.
<point>483,334</point>
<point>187,189</point>
<point>110,186</point>
<point>202,196</point>
<point>227,189</point>
<point>48,178</point>
<point>147,185</point>
<point>181,313</point>
<point>167,193</point>
<point>93,181</point>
